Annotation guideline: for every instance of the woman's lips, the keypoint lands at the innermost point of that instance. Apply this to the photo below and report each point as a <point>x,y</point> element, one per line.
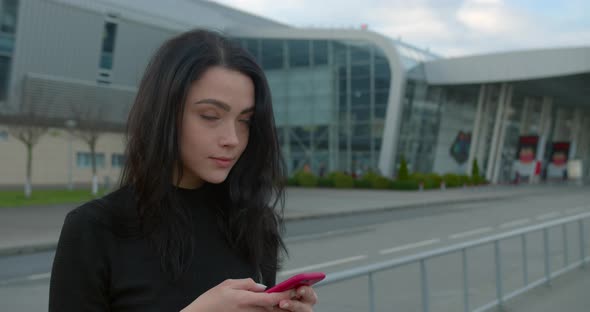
<point>222,162</point>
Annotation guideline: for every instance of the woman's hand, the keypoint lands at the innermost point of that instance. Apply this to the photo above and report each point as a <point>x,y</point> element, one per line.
<point>242,295</point>
<point>304,300</point>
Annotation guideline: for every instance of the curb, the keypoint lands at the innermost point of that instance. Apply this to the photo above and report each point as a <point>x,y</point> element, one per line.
<point>27,249</point>
<point>391,208</point>
<point>34,248</point>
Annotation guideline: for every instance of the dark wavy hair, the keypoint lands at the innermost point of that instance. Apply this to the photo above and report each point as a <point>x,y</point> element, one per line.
<point>250,200</point>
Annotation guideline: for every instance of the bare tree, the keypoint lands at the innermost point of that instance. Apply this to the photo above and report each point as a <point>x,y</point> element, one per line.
<point>29,135</point>
<point>89,128</point>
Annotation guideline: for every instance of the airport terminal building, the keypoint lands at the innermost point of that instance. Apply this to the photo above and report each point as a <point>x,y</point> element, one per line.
<point>344,99</point>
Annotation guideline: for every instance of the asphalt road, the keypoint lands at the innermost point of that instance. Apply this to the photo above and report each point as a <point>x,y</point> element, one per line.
<point>335,244</point>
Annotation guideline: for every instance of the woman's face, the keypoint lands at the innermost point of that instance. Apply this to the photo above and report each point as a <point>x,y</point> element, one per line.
<point>215,126</point>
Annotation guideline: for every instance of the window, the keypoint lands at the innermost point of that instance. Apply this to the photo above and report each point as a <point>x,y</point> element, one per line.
<point>83,160</point>
<point>272,54</point>
<point>117,160</point>
<point>8,16</point>
<point>320,52</point>
<point>6,44</point>
<point>252,46</point>
<point>4,75</point>
<point>298,53</point>
<point>108,45</point>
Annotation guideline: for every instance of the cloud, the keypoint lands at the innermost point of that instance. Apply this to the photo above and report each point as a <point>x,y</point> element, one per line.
<point>417,22</point>
<point>447,27</point>
<point>489,17</point>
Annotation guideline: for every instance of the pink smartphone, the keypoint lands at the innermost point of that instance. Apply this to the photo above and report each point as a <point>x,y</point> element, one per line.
<point>303,279</point>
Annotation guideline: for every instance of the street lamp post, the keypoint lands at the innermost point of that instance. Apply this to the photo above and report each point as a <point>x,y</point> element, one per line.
<point>70,124</point>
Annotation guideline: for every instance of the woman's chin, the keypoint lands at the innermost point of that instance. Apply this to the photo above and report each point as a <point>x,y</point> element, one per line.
<point>216,178</point>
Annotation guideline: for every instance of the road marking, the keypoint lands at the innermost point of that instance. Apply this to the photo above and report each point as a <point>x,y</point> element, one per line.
<point>514,223</point>
<point>470,233</point>
<point>33,277</point>
<point>409,246</point>
<point>548,215</point>
<point>298,238</point>
<point>574,210</point>
<point>39,276</point>
<point>322,265</point>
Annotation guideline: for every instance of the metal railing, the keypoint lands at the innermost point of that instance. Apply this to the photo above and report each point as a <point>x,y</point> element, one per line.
<point>501,297</point>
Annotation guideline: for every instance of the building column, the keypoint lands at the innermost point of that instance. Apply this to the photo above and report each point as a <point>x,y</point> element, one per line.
<point>374,161</point>
<point>487,108</point>
<point>576,133</point>
<point>584,148</point>
<point>349,127</point>
<point>525,122</point>
<point>502,138</point>
<point>496,131</point>
<point>544,126</point>
<point>477,124</point>
<point>333,147</point>
<point>287,126</point>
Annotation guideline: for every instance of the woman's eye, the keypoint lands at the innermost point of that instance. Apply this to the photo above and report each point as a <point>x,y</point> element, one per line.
<point>207,117</point>
<point>246,121</point>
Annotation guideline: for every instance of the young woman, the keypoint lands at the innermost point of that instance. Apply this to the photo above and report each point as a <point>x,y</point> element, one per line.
<point>193,226</point>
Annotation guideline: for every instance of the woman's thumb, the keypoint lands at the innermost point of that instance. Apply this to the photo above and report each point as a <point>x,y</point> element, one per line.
<point>247,284</point>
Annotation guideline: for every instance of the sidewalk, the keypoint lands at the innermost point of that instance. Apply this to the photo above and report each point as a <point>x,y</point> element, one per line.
<point>567,293</point>
<point>29,229</point>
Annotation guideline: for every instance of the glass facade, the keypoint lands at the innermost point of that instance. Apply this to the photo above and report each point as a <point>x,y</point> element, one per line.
<point>420,122</point>
<point>330,99</point>
<point>8,16</point>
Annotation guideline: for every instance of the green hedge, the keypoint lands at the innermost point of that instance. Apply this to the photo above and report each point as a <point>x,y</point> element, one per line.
<point>341,180</point>
<point>465,180</point>
<point>405,185</point>
<point>306,179</point>
<point>376,181</point>
<point>402,173</point>
<point>362,183</point>
<point>382,183</point>
<point>428,181</point>
<point>372,180</point>
<point>325,182</point>
<point>452,180</point>
<point>478,180</point>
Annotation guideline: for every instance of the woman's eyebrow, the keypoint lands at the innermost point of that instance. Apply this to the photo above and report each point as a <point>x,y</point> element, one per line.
<point>223,105</point>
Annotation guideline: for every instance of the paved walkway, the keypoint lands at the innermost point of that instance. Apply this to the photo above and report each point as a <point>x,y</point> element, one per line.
<point>568,293</point>
<point>28,229</point>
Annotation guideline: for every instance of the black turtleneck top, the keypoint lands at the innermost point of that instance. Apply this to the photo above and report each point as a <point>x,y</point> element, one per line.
<point>96,268</point>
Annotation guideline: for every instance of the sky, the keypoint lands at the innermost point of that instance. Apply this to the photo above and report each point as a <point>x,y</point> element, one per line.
<point>447,27</point>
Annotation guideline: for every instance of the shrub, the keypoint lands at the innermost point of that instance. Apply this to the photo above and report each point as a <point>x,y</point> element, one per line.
<point>402,173</point>
<point>292,181</point>
<point>405,185</point>
<point>479,180</point>
<point>381,183</point>
<point>434,180</point>
<point>376,181</point>
<point>362,183</point>
<point>428,182</point>
<point>464,180</point>
<point>475,170</point>
<point>325,182</point>
<point>306,179</point>
<point>341,180</point>
<point>452,180</point>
